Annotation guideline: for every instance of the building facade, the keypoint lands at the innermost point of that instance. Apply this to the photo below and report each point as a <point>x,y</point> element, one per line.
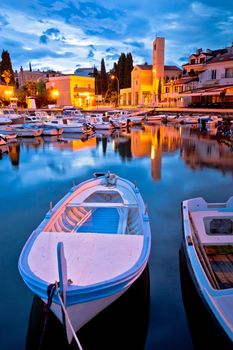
<point>207,80</point>
<point>24,76</point>
<point>147,81</point>
<point>78,91</point>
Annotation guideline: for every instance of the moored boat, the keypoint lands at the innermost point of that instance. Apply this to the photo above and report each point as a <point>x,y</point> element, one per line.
<point>208,246</point>
<point>51,130</point>
<point>27,131</point>
<point>102,228</point>
<point>3,140</point>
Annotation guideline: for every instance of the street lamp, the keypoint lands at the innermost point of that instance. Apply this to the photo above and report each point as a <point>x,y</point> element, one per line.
<point>118,88</point>
<point>55,93</point>
<point>8,94</point>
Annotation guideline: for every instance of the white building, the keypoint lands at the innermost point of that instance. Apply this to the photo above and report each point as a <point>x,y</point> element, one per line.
<point>213,71</point>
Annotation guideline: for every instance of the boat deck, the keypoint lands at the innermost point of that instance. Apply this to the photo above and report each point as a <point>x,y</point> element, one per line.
<point>91,257</point>
<point>221,261</point>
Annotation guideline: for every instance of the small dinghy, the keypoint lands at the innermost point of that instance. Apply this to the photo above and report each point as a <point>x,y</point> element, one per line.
<point>95,243</point>
<point>208,246</point>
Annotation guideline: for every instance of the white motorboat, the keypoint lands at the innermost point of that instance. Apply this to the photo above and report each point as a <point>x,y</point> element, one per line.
<point>4,120</point>
<point>68,126</point>
<point>208,247</point>
<point>95,242</point>
<point>10,114</point>
<point>97,122</point>
<point>27,131</point>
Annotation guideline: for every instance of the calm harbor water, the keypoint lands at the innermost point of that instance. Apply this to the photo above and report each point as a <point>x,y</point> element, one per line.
<point>169,164</point>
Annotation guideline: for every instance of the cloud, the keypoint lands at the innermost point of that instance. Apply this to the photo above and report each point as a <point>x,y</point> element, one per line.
<point>63,32</point>
<point>43,39</point>
<point>202,10</point>
<point>90,54</point>
<point>52,32</point>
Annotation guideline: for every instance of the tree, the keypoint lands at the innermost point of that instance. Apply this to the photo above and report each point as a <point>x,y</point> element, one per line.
<point>7,66</point>
<point>103,78</point>
<point>96,75</point>
<point>41,94</point>
<point>6,75</point>
<point>121,70</point>
<point>128,70</point>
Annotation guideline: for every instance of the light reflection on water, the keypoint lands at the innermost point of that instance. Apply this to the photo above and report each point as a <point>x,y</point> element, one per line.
<point>169,165</point>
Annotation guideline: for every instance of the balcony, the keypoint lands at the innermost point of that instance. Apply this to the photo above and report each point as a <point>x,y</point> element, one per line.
<point>84,89</point>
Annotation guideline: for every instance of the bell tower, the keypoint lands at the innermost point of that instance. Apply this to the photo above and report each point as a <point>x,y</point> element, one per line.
<point>158,67</point>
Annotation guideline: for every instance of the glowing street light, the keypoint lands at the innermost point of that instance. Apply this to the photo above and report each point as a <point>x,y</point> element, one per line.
<point>55,93</point>
<point>118,88</point>
<point>8,93</point>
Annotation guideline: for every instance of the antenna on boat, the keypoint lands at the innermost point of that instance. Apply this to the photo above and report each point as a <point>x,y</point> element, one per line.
<point>50,205</point>
<point>146,209</point>
<point>135,183</point>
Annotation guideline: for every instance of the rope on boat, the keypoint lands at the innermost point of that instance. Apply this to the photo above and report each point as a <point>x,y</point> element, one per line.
<point>67,317</point>
<point>50,292</point>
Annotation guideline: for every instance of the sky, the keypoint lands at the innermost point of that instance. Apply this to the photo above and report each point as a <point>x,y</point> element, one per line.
<point>66,34</point>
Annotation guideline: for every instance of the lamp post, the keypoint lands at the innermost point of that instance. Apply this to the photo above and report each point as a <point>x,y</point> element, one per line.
<point>118,88</point>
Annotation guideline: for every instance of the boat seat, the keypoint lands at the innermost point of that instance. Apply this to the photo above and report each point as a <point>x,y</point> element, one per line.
<point>100,205</point>
<point>221,261</point>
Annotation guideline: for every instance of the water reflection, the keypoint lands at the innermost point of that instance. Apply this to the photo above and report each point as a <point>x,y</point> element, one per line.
<point>123,325</point>
<point>205,332</point>
<point>195,148</point>
<point>14,152</point>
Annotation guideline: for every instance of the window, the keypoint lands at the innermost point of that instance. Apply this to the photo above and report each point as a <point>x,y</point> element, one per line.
<point>202,59</point>
<point>213,74</point>
<point>229,72</point>
<point>193,61</point>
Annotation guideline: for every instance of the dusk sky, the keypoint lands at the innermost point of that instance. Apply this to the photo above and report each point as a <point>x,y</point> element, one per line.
<point>66,34</point>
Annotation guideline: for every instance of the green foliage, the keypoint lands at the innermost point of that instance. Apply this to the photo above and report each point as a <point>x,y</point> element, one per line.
<point>103,78</point>
<point>38,91</point>
<point>6,66</point>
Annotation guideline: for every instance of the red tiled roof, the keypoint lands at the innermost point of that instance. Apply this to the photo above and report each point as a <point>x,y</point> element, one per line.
<point>145,66</point>
<point>172,68</point>
<point>221,58</point>
<point>185,80</point>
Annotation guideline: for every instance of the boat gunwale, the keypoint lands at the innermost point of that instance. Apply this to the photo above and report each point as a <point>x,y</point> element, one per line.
<point>208,293</point>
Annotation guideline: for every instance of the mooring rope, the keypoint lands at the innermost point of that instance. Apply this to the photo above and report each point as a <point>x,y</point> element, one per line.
<point>67,317</point>
<point>50,292</point>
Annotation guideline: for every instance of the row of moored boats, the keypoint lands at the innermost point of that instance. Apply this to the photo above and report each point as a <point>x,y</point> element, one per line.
<point>70,121</point>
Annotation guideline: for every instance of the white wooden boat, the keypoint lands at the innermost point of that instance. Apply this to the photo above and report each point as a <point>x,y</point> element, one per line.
<point>208,246</point>
<point>103,226</point>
